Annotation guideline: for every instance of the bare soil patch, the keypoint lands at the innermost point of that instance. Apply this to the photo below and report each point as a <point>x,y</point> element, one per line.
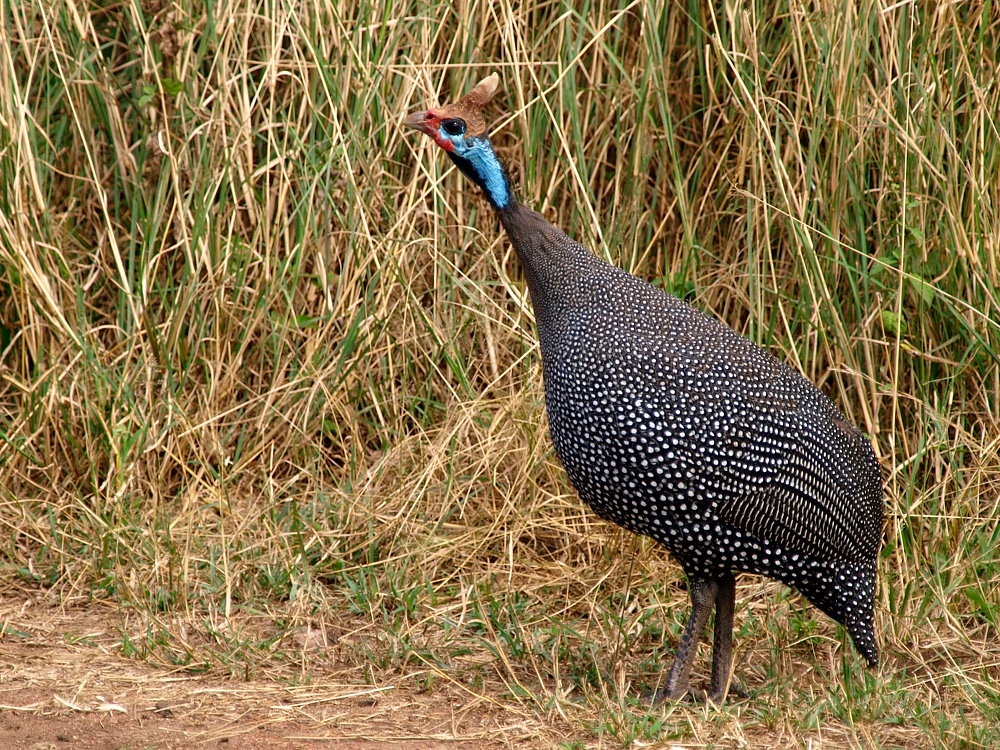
<point>65,684</point>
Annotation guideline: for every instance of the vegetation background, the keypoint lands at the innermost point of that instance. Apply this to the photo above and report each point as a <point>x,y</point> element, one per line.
<point>267,363</point>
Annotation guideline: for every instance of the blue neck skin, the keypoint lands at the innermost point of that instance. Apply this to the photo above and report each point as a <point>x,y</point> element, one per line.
<point>477,160</point>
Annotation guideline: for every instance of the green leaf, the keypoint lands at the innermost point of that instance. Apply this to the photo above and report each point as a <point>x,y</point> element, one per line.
<point>172,87</point>
<point>147,95</point>
<point>986,608</point>
<point>977,598</point>
<point>923,290</point>
<point>893,323</point>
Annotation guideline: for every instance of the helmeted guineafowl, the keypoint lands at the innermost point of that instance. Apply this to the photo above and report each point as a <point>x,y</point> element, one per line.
<point>672,425</point>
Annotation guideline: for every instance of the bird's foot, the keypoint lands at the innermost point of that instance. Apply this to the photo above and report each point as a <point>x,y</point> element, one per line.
<point>655,697</point>
<point>718,695</point>
<point>715,696</point>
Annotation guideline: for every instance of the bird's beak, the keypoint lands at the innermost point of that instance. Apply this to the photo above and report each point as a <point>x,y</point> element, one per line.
<point>417,121</point>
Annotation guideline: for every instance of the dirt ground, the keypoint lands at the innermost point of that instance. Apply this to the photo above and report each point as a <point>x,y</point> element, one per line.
<point>65,684</point>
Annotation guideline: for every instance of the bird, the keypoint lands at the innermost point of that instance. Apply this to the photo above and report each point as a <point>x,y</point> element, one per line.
<point>673,426</point>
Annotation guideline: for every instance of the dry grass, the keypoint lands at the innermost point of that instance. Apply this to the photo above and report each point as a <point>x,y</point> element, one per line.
<point>267,364</point>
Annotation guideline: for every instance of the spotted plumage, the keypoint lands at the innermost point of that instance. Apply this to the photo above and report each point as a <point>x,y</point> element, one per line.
<point>674,426</point>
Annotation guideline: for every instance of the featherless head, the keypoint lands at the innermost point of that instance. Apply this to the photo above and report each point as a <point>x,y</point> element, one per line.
<point>450,124</point>
<point>460,130</point>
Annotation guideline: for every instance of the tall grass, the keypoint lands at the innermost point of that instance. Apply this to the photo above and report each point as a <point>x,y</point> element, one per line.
<point>267,362</point>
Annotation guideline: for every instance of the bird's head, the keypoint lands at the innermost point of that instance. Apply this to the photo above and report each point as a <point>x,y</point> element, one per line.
<point>460,130</point>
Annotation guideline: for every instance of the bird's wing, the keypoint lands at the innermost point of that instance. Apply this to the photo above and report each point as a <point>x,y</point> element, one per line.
<point>811,497</point>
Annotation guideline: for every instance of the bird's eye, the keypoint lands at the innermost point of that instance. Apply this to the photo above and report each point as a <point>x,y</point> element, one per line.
<point>453,126</point>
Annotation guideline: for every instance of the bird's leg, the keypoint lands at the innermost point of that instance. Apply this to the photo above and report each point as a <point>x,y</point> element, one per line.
<point>703,597</point>
<point>722,645</point>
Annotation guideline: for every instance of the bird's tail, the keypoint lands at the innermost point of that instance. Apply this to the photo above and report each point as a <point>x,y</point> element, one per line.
<point>847,594</point>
